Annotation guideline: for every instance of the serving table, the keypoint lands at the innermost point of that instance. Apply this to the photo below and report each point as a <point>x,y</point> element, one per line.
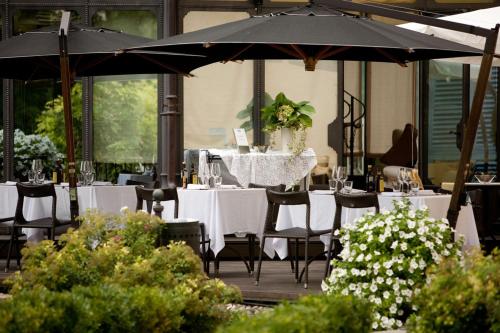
<point>271,168</point>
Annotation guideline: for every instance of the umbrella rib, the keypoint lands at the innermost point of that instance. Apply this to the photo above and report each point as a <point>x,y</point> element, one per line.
<point>286,50</point>
<point>170,68</point>
<point>391,58</point>
<point>95,63</point>
<point>323,54</point>
<point>238,53</point>
<point>299,51</point>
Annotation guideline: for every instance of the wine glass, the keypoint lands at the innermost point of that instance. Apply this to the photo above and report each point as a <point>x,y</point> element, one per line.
<point>333,182</point>
<point>37,168</point>
<point>402,178</point>
<point>342,174</point>
<point>215,170</point>
<point>204,175</point>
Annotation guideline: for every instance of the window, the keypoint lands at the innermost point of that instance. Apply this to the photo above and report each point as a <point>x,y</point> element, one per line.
<point>217,94</point>
<point>125,106</point>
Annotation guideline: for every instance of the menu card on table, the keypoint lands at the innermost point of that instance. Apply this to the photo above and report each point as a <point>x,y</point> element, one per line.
<point>241,140</point>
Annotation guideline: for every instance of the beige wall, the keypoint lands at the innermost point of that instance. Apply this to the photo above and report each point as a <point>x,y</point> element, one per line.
<point>318,87</point>
<point>217,92</point>
<point>391,105</point>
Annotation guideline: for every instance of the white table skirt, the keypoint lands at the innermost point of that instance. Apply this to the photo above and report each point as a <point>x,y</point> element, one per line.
<point>323,213</point>
<point>107,199</point>
<point>224,211</point>
<point>272,168</point>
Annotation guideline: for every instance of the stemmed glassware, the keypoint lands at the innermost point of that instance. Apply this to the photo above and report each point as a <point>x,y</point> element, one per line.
<point>215,173</point>
<point>342,175</point>
<point>205,173</point>
<point>87,172</point>
<point>402,179</point>
<point>37,168</point>
<point>333,182</point>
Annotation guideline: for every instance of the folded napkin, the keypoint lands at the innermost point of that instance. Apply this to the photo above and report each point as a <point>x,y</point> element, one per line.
<point>328,192</point>
<point>98,183</point>
<point>64,184</point>
<point>10,183</point>
<point>197,187</point>
<point>229,186</point>
<point>392,194</point>
<point>426,192</point>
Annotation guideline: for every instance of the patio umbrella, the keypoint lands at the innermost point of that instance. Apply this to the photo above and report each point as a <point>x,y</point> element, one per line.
<point>73,50</point>
<point>318,32</point>
<point>486,18</point>
<point>311,33</point>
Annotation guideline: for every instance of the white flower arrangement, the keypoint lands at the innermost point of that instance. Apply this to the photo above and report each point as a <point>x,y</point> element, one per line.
<point>385,257</point>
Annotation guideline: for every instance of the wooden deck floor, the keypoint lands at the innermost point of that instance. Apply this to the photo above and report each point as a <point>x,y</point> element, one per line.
<point>277,282</point>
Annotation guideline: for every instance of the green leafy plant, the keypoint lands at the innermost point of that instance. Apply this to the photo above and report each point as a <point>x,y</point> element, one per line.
<point>310,314</point>
<point>385,257</point>
<point>284,113</point>
<point>246,115</point>
<point>29,147</point>
<point>109,276</point>
<point>460,297</point>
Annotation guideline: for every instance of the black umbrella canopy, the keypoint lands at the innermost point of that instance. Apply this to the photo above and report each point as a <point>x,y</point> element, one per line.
<point>92,51</point>
<point>314,32</point>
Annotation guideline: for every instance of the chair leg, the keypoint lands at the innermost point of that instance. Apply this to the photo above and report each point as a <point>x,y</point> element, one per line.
<point>290,254</point>
<point>18,252</point>
<point>203,252</point>
<point>296,260</point>
<point>329,257</point>
<point>251,252</point>
<point>216,266</point>
<point>260,260</point>
<point>11,244</point>
<point>306,262</point>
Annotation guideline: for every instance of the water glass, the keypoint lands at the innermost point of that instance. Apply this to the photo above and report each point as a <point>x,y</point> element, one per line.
<point>333,185</point>
<point>89,178</point>
<point>414,188</point>
<point>347,186</point>
<point>217,181</point>
<point>31,176</point>
<point>39,177</point>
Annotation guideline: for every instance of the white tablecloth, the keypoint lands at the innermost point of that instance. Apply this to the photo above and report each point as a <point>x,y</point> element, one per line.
<point>323,213</point>
<point>224,211</point>
<point>271,168</point>
<point>107,199</point>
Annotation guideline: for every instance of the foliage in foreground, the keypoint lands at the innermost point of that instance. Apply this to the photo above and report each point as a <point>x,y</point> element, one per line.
<point>109,277</point>
<point>311,314</point>
<point>385,257</point>
<point>460,297</point>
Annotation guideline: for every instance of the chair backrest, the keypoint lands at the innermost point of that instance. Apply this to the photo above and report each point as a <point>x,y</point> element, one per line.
<point>276,188</point>
<point>276,199</point>
<point>34,191</point>
<point>146,194</point>
<point>141,183</point>
<point>358,200</point>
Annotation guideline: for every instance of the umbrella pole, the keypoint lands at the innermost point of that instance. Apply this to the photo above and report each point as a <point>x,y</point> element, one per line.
<point>471,126</point>
<point>68,117</point>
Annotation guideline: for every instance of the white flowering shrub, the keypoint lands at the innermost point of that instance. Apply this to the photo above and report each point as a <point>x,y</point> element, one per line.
<point>29,147</point>
<point>385,257</point>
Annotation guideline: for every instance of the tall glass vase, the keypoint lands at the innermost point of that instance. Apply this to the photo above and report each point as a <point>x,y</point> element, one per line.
<point>286,139</point>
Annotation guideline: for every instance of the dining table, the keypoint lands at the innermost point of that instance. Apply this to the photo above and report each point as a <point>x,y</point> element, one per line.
<point>104,198</point>
<point>323,212</point>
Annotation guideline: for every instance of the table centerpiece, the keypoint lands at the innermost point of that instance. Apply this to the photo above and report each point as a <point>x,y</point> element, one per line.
<point>292,119</point>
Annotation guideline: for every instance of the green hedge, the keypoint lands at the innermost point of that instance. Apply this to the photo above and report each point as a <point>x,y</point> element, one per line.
<point>109,277</point>
<point>460,297</point>
<point>310,314</point>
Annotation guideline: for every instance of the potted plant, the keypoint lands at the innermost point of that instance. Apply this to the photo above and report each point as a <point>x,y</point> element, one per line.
<point>291,118</point>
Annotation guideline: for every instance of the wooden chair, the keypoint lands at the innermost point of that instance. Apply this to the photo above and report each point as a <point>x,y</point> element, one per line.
<point>321,187</point>
<point>51,224</point>
<point>275,200</point>
<point>170,194</point>
<point>250,263</point>
<point>358,200</point>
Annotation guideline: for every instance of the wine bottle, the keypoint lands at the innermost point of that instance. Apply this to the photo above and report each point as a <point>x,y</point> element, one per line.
<point>184,175</point>
<point>194,175</point>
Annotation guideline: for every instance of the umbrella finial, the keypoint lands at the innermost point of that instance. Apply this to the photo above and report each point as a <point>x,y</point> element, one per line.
<point>310,63</point>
